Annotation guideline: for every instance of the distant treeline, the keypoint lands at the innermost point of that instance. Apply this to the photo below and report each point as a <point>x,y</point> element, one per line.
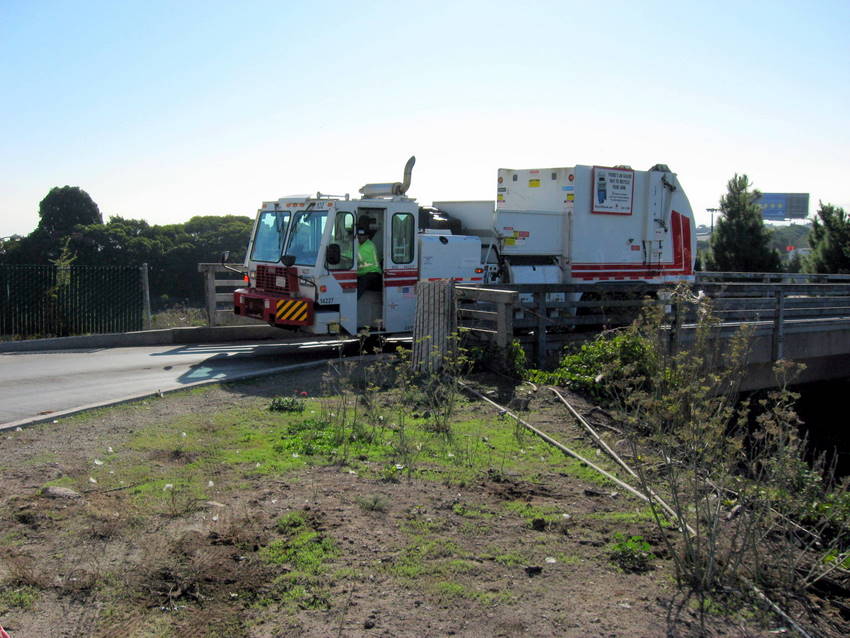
<point>172,252</point>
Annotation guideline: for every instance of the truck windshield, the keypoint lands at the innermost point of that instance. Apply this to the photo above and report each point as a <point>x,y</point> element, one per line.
<point>306,236</point>
<point>271,232</point>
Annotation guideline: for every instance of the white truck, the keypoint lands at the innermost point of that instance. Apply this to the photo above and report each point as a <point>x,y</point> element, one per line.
<point>553,225</point>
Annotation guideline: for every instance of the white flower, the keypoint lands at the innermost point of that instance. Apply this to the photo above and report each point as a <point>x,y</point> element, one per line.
<point>109,449</point>
<point>167,486</point>
<point>92,480</point>
<point>210,484</point>
<point>98,462</point>
<point>549,559</point>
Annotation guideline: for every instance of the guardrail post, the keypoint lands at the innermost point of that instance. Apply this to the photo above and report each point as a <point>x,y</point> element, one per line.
<point>777,349</point>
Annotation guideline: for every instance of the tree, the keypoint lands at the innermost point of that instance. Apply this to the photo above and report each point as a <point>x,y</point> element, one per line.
<point>63,209</point>
<point>830,241</point>
<point>172,252</point>
<point>740,242</point>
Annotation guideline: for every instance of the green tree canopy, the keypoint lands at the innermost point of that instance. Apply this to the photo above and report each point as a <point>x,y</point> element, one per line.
<point>172,252</point>
<point>63,209</point>
<point>740,242</point>
<point>830,242</point>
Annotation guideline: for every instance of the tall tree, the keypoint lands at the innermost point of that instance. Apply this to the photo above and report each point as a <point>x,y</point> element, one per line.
<point>740,242</point>
<point>65,208</point>
<point>830,241</point>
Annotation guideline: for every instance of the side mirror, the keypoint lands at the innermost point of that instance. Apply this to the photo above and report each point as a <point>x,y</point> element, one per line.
<point>225,256</point>
<point>287,260</point>
<point>333,255</point>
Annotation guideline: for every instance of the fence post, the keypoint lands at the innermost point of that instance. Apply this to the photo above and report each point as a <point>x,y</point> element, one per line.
<point>210,294</point>
<point>778,350</point>
<point>540,302</point>
<point>504,323</point>
<point>146,298</point>
<point>435,324</point>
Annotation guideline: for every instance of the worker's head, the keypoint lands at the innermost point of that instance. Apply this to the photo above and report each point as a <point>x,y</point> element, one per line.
<point>362,235</point>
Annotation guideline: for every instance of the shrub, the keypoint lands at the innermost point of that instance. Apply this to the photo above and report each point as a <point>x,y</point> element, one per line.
<point>615,356</point>
<point>286,404</point>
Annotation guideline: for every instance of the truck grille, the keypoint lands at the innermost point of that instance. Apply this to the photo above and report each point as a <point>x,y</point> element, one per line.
<point>272,278</point>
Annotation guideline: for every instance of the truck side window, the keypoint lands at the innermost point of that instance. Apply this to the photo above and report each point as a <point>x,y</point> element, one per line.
<point>343,234</point>
<point>403,236</point>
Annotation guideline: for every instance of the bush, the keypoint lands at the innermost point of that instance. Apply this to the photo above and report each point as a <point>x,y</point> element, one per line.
<point>286,404</point>
<point>595,369</point>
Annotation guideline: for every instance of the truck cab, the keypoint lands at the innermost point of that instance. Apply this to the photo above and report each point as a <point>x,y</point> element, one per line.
<point>302,261</point>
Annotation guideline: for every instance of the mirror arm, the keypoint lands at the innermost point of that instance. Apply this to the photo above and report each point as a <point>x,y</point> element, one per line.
<point>224,257</point>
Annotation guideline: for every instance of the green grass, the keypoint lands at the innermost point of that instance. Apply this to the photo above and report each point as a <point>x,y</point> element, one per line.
<point>22,597</point>
<point>641,516</point>
<point>471,511</point>
<point>510,559</point>
<point>255,441</point>
<point>423,557</point>
<point>550,515</point>
<point>302,548</point>
<point>448,591</point>
<point>306,556</point>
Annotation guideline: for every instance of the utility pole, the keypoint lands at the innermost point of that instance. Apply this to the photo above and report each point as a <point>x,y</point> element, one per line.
<point>712,211</point>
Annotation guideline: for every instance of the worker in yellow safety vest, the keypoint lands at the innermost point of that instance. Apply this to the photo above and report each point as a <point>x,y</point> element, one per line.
<point>369,273</point>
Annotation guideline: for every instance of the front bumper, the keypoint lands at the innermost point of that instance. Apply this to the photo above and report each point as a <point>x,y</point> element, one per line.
<point>275,309</point>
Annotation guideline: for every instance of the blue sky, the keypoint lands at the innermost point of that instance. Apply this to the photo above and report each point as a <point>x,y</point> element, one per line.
<point>165,110</point>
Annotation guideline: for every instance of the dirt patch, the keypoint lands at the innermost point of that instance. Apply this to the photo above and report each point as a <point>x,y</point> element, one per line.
<point>351,549</point>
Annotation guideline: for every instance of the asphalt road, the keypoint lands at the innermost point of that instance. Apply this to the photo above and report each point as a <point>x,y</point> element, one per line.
<point>38,386</point>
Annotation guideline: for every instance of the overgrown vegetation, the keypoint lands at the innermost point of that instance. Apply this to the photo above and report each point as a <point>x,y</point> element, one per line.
<point>753,513</point>
<point>604,367</point>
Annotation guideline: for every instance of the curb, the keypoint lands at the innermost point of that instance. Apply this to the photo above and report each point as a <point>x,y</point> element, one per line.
<point>164,337</point>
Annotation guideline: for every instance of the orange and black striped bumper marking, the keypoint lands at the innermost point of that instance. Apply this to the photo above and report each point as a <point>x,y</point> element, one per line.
<point>291,310</point>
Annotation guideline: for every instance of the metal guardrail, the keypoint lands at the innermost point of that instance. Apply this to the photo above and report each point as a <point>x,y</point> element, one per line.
<point>545,317</point>
<point>770,277</point>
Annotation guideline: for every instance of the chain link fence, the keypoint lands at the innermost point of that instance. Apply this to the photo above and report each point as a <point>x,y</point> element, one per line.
<point>60,301</point>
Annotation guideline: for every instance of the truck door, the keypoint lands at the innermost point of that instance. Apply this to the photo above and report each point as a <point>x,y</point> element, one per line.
<point>400,272</point>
